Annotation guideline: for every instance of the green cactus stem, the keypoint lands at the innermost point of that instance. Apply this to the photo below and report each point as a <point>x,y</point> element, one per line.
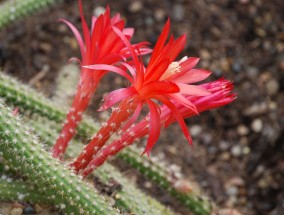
<point>128,198</point>
<point>11,190</point>
<point>18,95</point>
<point>13,10</point>
<point>69,192</point>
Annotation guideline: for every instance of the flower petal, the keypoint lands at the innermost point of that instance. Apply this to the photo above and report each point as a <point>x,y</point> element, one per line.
<point>140,73</point>
<point>86,31</point>
<point>180,99</point>
<point>155,127</point>
<point>160,42</point>
<point>192,76</point>
<point>110,68</point>
<point>193,90</point>
<point>177,115</point>
<point>158,87</point>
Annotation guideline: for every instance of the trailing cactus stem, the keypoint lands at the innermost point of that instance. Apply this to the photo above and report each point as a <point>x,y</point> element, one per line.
<point>127,197</point>
<point>12,10</point>
<point>11,190</point>
<point>22,149</point>
<point>27,99</point>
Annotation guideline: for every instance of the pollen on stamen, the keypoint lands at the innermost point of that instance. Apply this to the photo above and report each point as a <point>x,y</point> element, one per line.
<point>173,68</point>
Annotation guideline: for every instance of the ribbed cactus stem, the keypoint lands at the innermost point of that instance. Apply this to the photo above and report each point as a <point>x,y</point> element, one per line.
<point>25,98</point>
<point>28,100</point>
<point>12,10</point>
<point>12,190</point>
<point>128,198</point>
<point>22,149</point>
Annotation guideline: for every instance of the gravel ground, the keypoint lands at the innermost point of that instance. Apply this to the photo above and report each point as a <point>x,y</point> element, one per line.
<point>237,158</point>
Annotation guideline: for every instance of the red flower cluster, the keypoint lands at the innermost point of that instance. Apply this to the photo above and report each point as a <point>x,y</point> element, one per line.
<point>99,44</point>
<point>166,86</point>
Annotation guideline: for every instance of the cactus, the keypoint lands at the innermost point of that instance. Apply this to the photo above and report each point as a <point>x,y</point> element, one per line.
<point>11,190</point>
<point>23,151</point>
<point>13,10</point>
<point>128,197</point>
<point>27,99</point>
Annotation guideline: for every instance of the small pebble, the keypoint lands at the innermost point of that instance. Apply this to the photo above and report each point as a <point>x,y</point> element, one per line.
<point>148,184</point>
<point>135,6</point>
<point>160,15</point>
<point>246,150</point>
<point>195,130</point>
<point>272,87</point>
<point>16,211</point>
<point>224,145</point>
<point>236,181</point>
<point>225,156</point>
<point>99,10</point>
<point>257,125</point>
<point>205,54</point>
<point>252,72</point>
<point>29,210</point>
<point>178,12</point>
<point>232,191</point>
<point>242,130</point>
<point>236,151</point>
<point>228,211</point>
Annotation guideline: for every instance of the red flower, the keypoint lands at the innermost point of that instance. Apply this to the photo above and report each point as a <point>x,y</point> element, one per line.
<point>99,45</point>
<point>163,81</point>
<point>220,95</point>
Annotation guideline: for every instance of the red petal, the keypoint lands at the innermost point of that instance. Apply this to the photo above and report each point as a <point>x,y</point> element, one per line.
<point>193,90</point>
<point>192,76</point>
<point>86,31</point>
<point>110,68</point>
<point>177,115</point>
<point>140,74</point>
<point>160,42</point>
<point>154,73</point>
<point>185,102</point>
<point>158,87</point>
<point>155,127</point>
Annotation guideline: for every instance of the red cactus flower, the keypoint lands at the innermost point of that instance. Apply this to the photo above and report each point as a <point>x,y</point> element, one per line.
<point>220,96</point>
<point>163,81</point>
<point>99,45</point>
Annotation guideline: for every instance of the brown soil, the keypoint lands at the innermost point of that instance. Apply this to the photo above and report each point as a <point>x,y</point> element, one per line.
<point>237,157</point>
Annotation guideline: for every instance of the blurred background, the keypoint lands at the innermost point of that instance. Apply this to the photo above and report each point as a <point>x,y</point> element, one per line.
<point>238,154</point>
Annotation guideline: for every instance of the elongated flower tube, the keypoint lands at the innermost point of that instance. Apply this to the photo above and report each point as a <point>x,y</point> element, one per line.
<point>163,81</point>
<point>220,96</point>
<point>99,45</point>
